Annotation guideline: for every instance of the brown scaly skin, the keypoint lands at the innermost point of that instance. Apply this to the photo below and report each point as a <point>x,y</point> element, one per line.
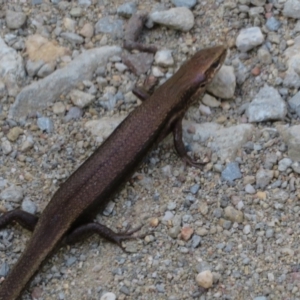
<point>69,215</point>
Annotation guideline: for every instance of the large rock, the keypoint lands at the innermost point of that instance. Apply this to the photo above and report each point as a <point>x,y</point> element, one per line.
<point>267,105</point>
<point>226,141</point>
<point>12,71</point>
<point>40,94</point>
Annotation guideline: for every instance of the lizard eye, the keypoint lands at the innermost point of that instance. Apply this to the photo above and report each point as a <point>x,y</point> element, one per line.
<point>216,64</point>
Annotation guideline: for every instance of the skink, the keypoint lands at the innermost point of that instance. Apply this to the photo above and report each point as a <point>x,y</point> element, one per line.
<point>70,213</point>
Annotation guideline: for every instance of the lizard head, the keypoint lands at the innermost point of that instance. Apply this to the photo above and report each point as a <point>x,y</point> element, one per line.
<point>192,78</point>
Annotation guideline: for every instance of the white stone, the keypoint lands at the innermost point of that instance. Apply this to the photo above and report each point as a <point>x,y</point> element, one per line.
<point>205,279</point>
<point>249,38</point>
<point>180,18</point>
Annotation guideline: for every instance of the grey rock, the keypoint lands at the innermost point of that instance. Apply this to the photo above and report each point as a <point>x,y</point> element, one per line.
<point>223,84</point>
<point>231,172</point>
<point>244,8</point>
<point>246,261</point>
<point>27,144</point>
<point>195,188</point>
<point>276,183</point>
<point>204,266</point>
<point>126,10</point>
<point>19,44</point>
<point>264,56</point>
<point>164,58</point>
<point>218,168</point>
<point>184,3</point>
<point>273,24</point>
<point>249,189</point>
<point>46,70</point>
<point>258,2</point>
<point>294,103</point>
<point>203,208</point>
<point>292,138</point>
<point>260,249</point>
<point>85,3</point>
<point>296,167</point>
<point>11,39</point>
<point>76,12</point>
<point>61,296</point>
<point>292,78</point>
<point>3,91</point>
<point>125,290</point>
<point>280,196</point>
<point>210,101</point>
<point>247,229</point>
<point>108,101</point>
<point>73,38</point>
<point>74,113</point>
<point>70,26</point>
<point>267,105</point>
<point>241,71</point>
<point>12,194</point>
<point>81,99</point>
<point>121,67</point>
<point>168,216</point>
<point>284,163</point>
<point>221,246</point>
<point>292,9</point>
<point>179,18</point>
<point>249,38</point>
<point>108,296</point>
<point>271,160</point>
<point>104,127</point>
<point>14,19</point>
<point>40,94</point>
<point>171,206</point>
<point>233,215</point>
<point>196,241</point>
<point>109,208</point>
<point>32,67</point>
<point>110,26</point>
<point>269,233</point>
<point>6,147</point>
<point>11,68</point>
<point>226,141</point>
<point>59,108</point>
<point>71,260</point>
<point>227,224</point>
<point>190,199</point>
<point>218,212</point>
<point>263,178</point>
<point>255,12</point>
<point>174,231</point>
<point>29,206</point>
<point>4,269</point>
<point>45,124</point>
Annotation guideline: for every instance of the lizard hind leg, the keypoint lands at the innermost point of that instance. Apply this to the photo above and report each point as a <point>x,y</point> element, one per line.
<point>23,218</point>
<point>180,148</point>
<point>84,231</point>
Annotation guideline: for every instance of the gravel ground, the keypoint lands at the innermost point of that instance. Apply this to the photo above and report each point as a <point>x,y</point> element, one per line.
<point>228,231</point>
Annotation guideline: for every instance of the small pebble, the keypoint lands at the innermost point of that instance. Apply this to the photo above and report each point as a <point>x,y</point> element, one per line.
<point>108,296</point>
<point>186,233</point>
<point>233,215</point>
<point>205,279</point>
